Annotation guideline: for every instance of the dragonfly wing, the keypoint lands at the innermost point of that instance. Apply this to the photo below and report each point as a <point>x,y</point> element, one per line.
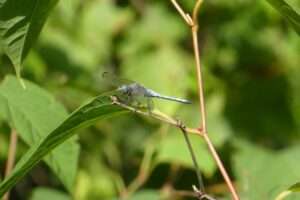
<point>144,102</point>
<point>115,80</point>
<point>150,104</point>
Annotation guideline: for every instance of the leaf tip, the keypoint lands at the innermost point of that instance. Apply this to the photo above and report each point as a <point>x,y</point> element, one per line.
<point>20,79</point>
<point>22,83</point>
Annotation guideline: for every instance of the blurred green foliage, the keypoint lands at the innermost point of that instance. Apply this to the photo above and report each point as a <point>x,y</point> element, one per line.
<point>250,57</point>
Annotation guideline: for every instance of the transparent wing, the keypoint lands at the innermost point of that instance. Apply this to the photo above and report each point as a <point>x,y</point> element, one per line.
<point>150,104</point>
<point>143,102</point>
<point>115,80</point>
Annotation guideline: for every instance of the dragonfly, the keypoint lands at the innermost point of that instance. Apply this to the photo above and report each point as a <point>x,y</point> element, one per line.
<point>133,93</point>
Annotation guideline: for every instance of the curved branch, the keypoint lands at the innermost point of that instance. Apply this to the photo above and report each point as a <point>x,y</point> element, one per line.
<point>195,13</point>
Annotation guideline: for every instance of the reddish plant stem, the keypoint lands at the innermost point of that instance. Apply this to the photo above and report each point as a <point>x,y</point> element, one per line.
<point>203,115</point>
<point>221,167</point>
<point>202,104</point>
<point>200,85</point>
<point>203,128</point>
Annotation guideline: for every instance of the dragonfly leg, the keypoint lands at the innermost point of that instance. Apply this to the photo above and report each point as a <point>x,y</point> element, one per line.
<point>138,104</point>
<point>134,103</point>
<point>128,100</point>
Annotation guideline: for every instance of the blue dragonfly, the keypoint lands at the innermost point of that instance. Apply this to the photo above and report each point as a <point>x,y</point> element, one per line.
<point>133,93</point>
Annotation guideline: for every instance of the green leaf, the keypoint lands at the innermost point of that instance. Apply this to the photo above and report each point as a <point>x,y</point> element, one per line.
<point>173,149</point>
<point>33,113</point>
<point>95,181</point>
<point>146,195</point>
<point>293,189</point>
<point>21,21</point>
<point>48,194</point>
<point>100,108</point>
<point>265,173</point>
<point>287,12</point>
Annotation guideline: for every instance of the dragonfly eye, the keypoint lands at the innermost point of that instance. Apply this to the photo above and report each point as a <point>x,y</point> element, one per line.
<point>123,89</point>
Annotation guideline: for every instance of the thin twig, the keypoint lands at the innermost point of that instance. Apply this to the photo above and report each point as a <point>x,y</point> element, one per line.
<point>197,168</point>
<point>201,191</point>
<point>184,15</point>
<point>196,11</point>
<point>203,127</point>
<point>11,157</point>
<point>156,115</point>
<point>201,195</point>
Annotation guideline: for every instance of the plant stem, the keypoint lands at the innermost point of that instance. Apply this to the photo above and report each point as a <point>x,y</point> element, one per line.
<point>203,127</point>
<point>11,157</point>
<point>190,147</point>
<point>156,115</point>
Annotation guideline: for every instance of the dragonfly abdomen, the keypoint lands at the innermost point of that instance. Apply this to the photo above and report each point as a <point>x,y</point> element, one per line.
<point>151,93</point>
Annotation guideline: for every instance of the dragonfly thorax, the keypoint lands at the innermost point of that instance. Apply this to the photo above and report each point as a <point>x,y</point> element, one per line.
<point>124,89</point>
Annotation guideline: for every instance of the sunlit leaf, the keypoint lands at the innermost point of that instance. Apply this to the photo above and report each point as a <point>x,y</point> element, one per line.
<point>173,149</point>
<point>21,22</point>
<point>146,195</point>
<point>100,108</point>
<point>33,113</point>
<point>49,194</point>
<point>95,181</point>
<point>266,173</point>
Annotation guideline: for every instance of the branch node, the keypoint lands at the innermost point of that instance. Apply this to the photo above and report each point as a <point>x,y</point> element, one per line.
<point>189,20</point>
<point>201,195</point>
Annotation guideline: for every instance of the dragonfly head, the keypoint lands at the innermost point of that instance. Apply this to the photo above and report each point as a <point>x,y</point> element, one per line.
<point>124,89</point>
